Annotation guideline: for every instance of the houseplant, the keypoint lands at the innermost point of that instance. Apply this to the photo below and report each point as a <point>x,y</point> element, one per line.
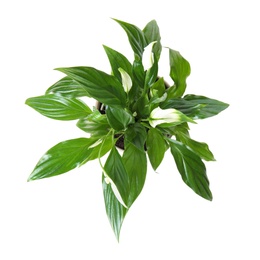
<point>137,112</point>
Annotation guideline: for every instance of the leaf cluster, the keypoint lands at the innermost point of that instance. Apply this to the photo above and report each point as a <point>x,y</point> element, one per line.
<point>141,109</point>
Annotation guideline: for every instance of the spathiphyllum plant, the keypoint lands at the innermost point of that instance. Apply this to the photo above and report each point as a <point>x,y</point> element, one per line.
<point>138,117</point>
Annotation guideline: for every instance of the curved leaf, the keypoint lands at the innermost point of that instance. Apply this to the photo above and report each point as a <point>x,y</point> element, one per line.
<point>59,107</point>
<point>191,168</point>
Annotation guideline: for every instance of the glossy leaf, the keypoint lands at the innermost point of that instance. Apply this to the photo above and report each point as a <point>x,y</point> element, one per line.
<point>62,158</point>
<point>136,134</point>
<point>152,33</point>
<point>179,71</point>
<point>191,168</point>
<point>156,147</point>
<point>67,87</point>
<point>135,36</point>
<point>200,148</point>
<point>115,210</point>
<point>118,60</point>
<point>101,86</point>
<point>115,169</point>
<point>59,107</point>
<point>119,118</point>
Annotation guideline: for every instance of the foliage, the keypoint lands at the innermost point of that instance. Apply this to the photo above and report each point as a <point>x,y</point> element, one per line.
<point>140,108</point>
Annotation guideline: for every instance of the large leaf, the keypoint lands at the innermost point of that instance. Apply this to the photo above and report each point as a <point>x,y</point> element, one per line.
<point>200,148</point>
<point>136,134</point>
<point>115,210</point>
<point>95,124</point>
<point>105,88</point>
<point>68,87</point>
<point>152,33</point>
<point>62,158</point>
<point>191,168</point>
<point>119,118</point>
<point>195,107</point>
<point>135,36</point>
<point>156,147</point>
<point>179,71</point>
<point>115,170</point>
<point>59,107</point>
<point>118,60</point>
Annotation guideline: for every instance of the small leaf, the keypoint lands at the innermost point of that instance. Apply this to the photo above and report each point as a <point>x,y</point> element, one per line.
<point>135,36</point>
<point>179,71</point>
<point>114,168</point>
<point>62,158</point>
<point>67,87</point>
<point>101,86</point>
<point>156,147</point>
<point>191,168</point>
<point>119,118</point>
<point>118,60</point>
<point>59,107</point>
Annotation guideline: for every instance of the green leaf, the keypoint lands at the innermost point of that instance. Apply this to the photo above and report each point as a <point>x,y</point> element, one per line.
<point>156,147</point>
<point>195,107</point>
<point>135,163</point>
<point>136,134</point>
<point>62,158</point>
<point>179,71</point>
<point>152,33</point>
<point>158,88</point>
<point>101,86</point>
<point>114,168</point>
<point>118,60</point>
<point>201,149</point>
<point>209,107</point>
<point>67,87</point>
<point>115,210</point>
<point>59,107</point>
<point>191,168</point>
<point>135,36</point>
<point>96,124</point>
<point>119,118</point>
<point>151,75</point>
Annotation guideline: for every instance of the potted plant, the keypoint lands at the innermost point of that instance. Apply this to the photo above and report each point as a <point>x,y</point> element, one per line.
<point>138,112</point>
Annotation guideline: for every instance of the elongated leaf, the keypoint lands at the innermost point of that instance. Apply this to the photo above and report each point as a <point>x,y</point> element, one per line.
<point>101,86</point>
<point>195,107</point>
<point>136,134</point>
<point>67,87</point>
<point>135,36</point>
<point>62,158</point>
<point>209,107</point>
<point>59,107</point>
<point>118,60</point>
<point>156,147</point>
<point>191,168</point>
<point>152,33</point>
<point>179,71</point>
<point>96,124</point>
<point>115,170</point>
<point>201,149</point>
<point>115,210</point>
<point>119,118</point>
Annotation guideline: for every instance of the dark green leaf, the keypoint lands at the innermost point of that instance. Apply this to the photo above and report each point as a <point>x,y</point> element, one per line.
<point>156,147</point>
<point>152,33</point>
<point>135,36</point>
<point>151,75</point>
<point>59,107</point>
<point>118,60</point>
<point>115,210</point>
<point>158,88</point>
<point>142,107</point>
<point>96,124</point>
<point>135,162</point>
<point>201,149</point>
<point>116,171</point>
<point>67,87</point>
<point>101,86</point>
<point>62,158</point>
<point>136,134</point>
<point>191,168</point>
<point>179,71</point>
<point>119,118</point>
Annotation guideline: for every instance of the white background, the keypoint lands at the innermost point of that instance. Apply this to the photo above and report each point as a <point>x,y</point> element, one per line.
<point>64,217</point>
